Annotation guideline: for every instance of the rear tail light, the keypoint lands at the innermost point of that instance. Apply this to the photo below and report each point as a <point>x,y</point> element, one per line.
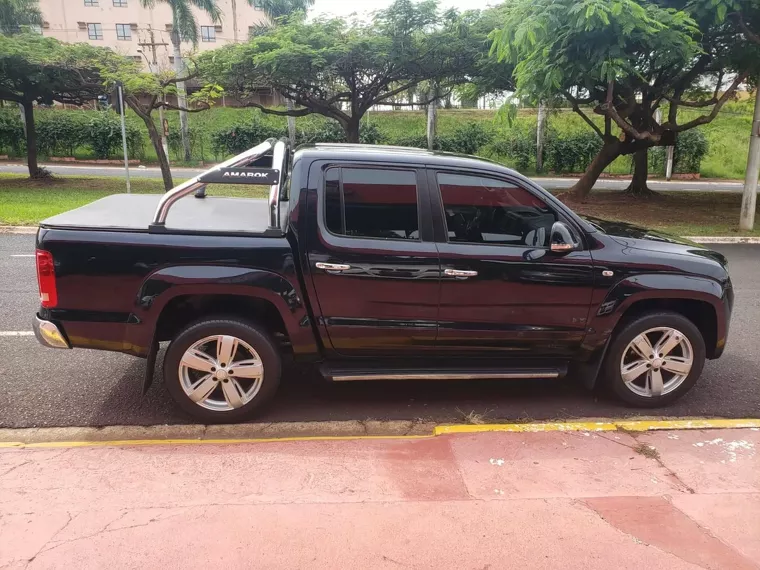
<point>46,279</point>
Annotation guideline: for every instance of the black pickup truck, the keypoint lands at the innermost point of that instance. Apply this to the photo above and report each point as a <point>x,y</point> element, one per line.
<point>377,263</point>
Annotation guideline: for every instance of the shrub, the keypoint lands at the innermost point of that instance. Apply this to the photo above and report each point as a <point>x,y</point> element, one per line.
<point>519,147</point>
<point>691,148</point>
<point>467,138</point>
<point>571,152</point>
<point>59,134</point>
<point>103,136</point>
<point>238,138</point>
<point>11,131</point>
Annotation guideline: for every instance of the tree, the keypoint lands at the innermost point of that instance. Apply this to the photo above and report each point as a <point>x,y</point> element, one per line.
<point>620,59</point>
<point>340,69</point>
<point>37,70</point>
<point>16,14</point>
<point>146,92</point>
<point>745,15</point>
<point>275,10</point>
<point>185,28</point>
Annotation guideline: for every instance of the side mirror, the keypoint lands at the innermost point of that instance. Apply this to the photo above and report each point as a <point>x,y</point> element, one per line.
<point>563,240</point>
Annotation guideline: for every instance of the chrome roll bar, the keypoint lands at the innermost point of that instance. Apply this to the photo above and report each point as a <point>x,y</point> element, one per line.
<point>278,161</point>
<point>279,149</point>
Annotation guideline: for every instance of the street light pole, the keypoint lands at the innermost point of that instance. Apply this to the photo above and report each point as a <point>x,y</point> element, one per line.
<point>120,93</point>
<point>749,198</point>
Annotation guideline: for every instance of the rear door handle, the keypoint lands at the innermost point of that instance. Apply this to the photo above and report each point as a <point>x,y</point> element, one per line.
<point>460,273</point>
<point>332,266</point>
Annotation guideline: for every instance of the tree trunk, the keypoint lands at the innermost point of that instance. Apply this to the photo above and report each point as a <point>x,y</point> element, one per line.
<point>351,129</point>
<point>432,118</point>
<point>638,186</point>
<point>31,141</point>
<point>155,139</point>
<point>610,151</point>
<point>179,68</point>
<point>540,131</point>
<point>291,123</point>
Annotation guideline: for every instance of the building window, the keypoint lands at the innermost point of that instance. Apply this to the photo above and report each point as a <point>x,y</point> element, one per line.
<point>120,3</point>
<point>258,4</point>
<point>371,203</point>
<point>123,32</point>
<point>95,31</point>
<point>208,34</point>
<point>91,3</point>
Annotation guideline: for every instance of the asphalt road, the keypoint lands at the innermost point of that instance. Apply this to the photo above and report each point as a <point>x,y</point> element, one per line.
<point>548,183</point>
<point>45,387</point>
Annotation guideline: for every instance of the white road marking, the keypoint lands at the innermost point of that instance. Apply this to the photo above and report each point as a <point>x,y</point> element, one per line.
<point>16,333</point>
<point>23,255</point>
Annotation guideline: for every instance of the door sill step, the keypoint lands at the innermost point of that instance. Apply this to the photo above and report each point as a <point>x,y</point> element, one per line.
<point>362,374</point>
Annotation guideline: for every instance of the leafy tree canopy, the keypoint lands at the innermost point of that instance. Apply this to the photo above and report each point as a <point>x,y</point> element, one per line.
<point>340,68</point>
<point>623,59</point>
<point>16,14</point>
<point>43,70</point>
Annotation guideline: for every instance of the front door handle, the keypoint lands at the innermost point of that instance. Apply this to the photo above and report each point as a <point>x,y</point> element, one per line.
<point>460,273</point>
<point>332,266</point>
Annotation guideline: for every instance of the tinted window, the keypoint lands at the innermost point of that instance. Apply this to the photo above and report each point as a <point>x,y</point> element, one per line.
<point>485,210</point>
<point>374,203</point>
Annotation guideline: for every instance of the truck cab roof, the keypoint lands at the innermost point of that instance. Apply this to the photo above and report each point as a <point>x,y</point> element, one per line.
<point>400,155</point>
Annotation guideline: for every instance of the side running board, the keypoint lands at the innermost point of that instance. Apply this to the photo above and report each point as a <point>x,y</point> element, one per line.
<point>339,374</point>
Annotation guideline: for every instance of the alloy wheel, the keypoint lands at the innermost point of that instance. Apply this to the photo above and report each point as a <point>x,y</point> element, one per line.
<point>656,362</point>
<point>221,373</point>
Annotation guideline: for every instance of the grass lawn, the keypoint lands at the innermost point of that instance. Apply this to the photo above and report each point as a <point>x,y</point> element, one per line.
<point>25,202</point>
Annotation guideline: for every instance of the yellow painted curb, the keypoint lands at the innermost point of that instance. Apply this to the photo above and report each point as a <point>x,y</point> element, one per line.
<point>612,425</point>
<point>589,426</point>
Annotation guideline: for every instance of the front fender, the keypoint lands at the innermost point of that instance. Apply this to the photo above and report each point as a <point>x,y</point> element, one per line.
<point>160,287</point>
<point>606,315</point>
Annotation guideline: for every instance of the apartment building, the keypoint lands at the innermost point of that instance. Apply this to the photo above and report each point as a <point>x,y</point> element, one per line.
<point>130,29</point>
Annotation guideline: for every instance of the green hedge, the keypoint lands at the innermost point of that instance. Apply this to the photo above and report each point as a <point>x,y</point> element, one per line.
<point>61,133</point>
<point>97,134</point>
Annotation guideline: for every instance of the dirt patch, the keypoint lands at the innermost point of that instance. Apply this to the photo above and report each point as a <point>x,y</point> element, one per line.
<point>662,209</point>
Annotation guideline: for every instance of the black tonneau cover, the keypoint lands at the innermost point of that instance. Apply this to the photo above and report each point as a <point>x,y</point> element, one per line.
<point>134,212</point>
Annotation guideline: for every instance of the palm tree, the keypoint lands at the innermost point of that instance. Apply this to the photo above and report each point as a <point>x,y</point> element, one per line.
<point>185,28</point>
<point>15,14</point>
<point>275,9</point>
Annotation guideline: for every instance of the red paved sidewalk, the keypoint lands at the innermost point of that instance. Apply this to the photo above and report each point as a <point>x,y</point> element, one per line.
<point>493,500</point>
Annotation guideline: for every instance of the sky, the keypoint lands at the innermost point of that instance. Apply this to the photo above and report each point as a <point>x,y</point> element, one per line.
<point>346,7</point>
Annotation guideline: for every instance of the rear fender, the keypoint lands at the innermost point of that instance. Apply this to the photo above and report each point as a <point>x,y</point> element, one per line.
<point>166,284</point>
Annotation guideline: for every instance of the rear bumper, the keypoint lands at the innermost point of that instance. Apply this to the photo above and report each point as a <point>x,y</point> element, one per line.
<point>48,334</point>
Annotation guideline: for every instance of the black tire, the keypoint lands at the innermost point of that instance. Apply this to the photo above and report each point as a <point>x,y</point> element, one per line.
<point>250,333</point>
<point>629,330</point>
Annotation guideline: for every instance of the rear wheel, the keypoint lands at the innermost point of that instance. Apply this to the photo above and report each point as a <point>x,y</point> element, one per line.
<point>222,370</point>
<point>655,359</point>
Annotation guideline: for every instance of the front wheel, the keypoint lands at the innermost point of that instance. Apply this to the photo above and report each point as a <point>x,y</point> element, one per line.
<point>655,359</point>
<point>222,370</point>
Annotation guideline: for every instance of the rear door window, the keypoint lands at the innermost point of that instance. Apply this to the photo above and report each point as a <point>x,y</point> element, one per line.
<point>372,203</point>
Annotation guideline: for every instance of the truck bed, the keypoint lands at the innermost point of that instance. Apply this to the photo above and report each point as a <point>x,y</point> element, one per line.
<point>134,212</point>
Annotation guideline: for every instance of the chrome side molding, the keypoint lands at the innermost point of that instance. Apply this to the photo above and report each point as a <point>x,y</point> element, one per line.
<point>507,375</point>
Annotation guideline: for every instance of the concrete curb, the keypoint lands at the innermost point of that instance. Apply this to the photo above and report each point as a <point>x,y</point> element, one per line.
<point>338,430</point>
<point>724,239</point>
<point>18,229</point>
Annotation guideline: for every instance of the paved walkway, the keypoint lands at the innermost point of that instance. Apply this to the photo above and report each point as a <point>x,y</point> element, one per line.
<point>670,500</point>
